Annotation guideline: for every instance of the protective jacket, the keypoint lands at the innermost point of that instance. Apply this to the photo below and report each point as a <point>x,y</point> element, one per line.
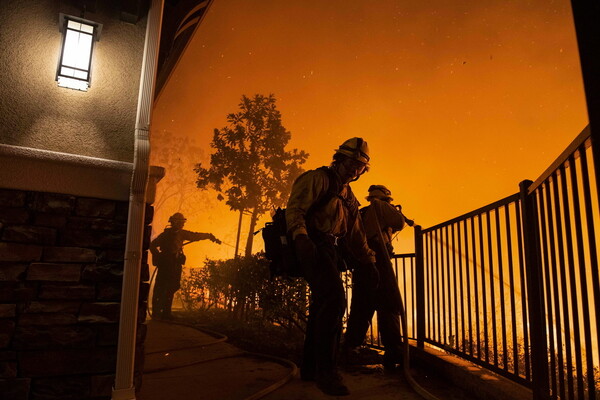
<point>170,243</point>
<point>382,215</point>
<point>338,217</point>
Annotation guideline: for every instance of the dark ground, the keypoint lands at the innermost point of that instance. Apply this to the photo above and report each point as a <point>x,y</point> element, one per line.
<point>254,336</point>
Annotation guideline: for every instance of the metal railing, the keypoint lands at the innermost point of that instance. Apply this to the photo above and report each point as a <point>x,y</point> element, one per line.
<point>514,286</point>
<point>565,203</point>
<point>474,280</point>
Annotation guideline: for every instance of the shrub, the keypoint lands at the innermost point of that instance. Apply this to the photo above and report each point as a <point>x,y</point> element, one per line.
<point>242,286</point>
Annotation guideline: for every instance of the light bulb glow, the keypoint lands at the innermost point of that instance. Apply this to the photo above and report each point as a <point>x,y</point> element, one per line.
<point>76,57</point>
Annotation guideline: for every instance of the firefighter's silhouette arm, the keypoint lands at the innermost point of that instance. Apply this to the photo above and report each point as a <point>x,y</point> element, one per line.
<point>196,236</point>
<point>409,222</point>
<point>168,246</point>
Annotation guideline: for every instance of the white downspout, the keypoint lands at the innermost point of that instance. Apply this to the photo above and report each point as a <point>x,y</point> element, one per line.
<point>124,388</point>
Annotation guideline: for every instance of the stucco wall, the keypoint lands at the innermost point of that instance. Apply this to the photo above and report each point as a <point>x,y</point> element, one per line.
<point>35,112</point>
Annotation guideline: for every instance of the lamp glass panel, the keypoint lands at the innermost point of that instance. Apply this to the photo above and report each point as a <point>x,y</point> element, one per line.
<point>87,28</point>
<point>80,74</point>
<point>73,83</point>
<point>66,71</point>
<point>74,72</point>
<point>78,49</point>
<point>74,25</point>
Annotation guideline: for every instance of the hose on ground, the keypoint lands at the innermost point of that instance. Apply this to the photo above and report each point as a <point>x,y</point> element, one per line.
<point>411,381</point>
<point>221,338</point>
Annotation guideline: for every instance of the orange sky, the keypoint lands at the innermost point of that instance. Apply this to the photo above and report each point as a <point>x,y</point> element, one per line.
<point>458,100</point>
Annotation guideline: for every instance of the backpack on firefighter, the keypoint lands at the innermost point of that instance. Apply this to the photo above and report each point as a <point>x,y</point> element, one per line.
<point>279,249</point>
<point>279,246</point>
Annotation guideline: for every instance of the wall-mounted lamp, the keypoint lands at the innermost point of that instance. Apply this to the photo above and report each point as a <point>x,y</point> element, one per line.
<point>75,62</point>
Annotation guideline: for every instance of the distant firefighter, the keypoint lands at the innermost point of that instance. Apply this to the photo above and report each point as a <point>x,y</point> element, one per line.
<point>381,219</point>
<point>168,257</point>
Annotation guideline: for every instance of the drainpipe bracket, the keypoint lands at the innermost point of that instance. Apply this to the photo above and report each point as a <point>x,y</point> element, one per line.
<point>123,394</point>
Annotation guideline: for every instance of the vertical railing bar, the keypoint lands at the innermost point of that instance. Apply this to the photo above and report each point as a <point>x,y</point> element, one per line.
<point>476,286</point>
<point>414,280</point>
<point>454,285</point>
<point>413,303</point>
<point>572,279</point>
<point>437,286</point>
<point>548,280</point>
<point>501,289</point>
<point>444,234</point>
<point>583,280</point>
<point>426,290</point>
<point>492,294</point>
<point>405,294</point>
<point>420,286</point>
<point>462,292</point>
<point>591,235</point>
<point>448,279</point>
<point>556,293</point>
<point>468,282</point>
<point>430,309</point>
<point>397,275</point>
<point>410,296</point>
<point>537,316</point>
<point>523,292</point>
<point>407,275</point>
<point>433,306</point>
<point>563,285</point>
<point>511,283</point>
<point>484,305</point>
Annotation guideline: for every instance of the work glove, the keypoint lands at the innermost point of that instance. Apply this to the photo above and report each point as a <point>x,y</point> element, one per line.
<point>304,246</point>
<point>306,255</point>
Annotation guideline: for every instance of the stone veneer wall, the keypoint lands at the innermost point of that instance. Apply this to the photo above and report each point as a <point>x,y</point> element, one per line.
<point>61,268</point>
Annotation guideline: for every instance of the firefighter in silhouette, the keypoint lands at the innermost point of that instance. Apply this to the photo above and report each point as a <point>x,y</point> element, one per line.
<point>381,219</point>
<point>168,257</point>
<point>321,213</point>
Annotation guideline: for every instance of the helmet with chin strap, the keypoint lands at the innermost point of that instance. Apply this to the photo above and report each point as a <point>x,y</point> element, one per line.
<point>177,217</point>
<point>355,148</point>
<point>379,192</point>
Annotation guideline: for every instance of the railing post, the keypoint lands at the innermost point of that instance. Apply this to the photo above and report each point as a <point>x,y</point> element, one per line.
<point>420,286</point>
<point>535,301</point>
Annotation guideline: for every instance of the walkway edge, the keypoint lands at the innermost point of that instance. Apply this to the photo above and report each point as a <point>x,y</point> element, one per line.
<point>483,384</point>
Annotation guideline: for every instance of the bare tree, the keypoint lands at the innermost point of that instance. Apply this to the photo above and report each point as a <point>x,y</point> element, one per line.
<point>177,190</point>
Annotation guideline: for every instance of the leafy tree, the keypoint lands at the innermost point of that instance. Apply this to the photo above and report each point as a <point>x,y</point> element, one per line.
<point>250,164</point>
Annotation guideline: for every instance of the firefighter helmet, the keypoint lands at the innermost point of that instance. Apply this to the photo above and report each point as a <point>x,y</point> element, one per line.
<point>177,217</point>
<point>355,148</point>
<point>379,192</point>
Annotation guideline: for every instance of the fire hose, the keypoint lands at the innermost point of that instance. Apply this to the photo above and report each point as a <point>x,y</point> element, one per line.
<point>406,359</point>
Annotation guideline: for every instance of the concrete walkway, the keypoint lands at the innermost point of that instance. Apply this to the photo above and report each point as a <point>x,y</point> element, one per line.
<point>185,363</point>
